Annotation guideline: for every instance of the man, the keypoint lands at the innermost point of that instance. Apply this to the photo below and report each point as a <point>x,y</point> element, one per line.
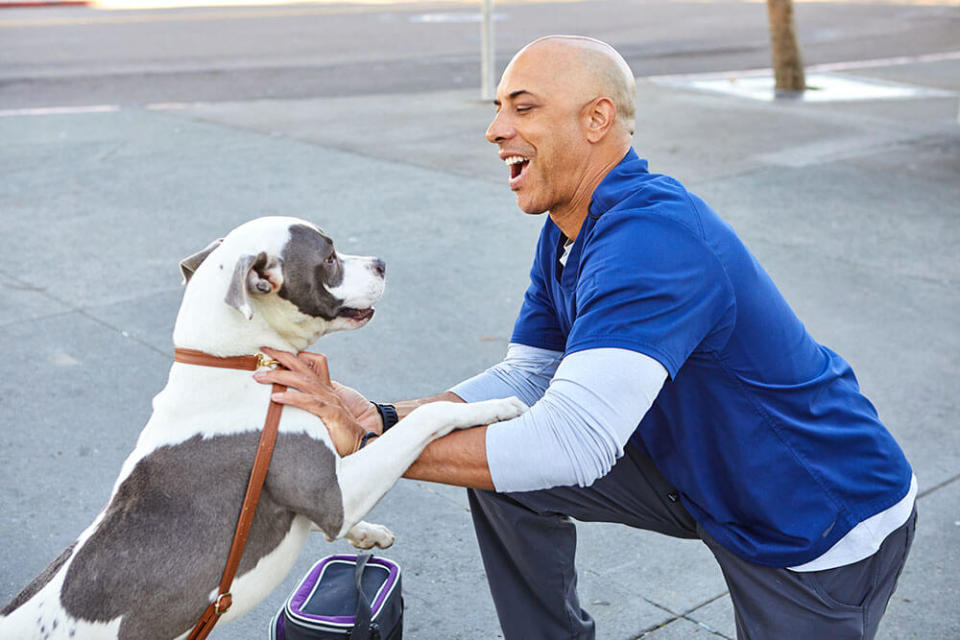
<point>671,389</point>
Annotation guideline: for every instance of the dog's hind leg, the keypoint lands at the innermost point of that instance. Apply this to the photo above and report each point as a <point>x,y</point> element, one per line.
<point>366,475</point>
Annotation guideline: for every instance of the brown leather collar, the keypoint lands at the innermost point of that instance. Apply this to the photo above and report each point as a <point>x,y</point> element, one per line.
<point>246,363</point>
<point>261,463</point>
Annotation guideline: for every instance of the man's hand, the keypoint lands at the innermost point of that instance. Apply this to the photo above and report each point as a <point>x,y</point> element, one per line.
<point>346,414</point>
<point>364,411</point>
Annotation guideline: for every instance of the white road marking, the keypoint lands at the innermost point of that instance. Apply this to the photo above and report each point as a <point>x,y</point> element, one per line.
<point>448,18</point>
<point>665,79</point>
<point>47,111</point>
<point>813,68</point>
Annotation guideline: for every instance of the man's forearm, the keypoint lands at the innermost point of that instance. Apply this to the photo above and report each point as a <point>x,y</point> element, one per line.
<point>460,458</point>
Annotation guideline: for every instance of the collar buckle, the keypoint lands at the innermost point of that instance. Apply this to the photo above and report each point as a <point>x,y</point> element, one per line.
<point>263,360</point>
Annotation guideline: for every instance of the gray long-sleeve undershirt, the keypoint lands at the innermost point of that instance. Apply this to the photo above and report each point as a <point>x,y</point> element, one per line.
<point>583,409</point>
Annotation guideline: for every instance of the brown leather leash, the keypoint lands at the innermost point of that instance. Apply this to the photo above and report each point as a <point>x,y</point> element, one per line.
<point>268,438</point>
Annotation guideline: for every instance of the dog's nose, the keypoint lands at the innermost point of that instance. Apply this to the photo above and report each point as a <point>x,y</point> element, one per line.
<point>380,267</point>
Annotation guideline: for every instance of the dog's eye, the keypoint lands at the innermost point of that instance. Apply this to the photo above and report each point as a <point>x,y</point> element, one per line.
<point>331,260</point>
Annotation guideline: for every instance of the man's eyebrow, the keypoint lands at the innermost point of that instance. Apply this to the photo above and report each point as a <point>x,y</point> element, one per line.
<point>513,94</point>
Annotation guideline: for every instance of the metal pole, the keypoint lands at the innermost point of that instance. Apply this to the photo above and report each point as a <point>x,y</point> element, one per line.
<point>488,83</point>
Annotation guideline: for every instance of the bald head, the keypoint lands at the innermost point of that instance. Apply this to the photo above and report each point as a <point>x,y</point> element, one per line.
<point>587,69</point>
<point>565,118</point>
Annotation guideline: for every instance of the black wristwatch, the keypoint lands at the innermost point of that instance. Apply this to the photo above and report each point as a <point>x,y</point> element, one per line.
<point>388,415</point>
<point>366,437</point>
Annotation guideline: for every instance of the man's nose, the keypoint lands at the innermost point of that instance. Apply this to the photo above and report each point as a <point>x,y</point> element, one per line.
<point>498,129</point>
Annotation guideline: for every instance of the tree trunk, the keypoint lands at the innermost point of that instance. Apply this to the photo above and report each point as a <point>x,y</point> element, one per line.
<point>787,61</point>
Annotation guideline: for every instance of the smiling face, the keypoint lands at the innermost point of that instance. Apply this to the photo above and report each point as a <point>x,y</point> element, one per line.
<point>564,119</point>
<point>538,130</point>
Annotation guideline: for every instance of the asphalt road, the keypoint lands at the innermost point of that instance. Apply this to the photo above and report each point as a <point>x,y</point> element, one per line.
<point>79,56</point>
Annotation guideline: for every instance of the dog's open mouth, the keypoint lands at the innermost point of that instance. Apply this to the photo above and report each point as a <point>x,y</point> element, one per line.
<point>356,314</point>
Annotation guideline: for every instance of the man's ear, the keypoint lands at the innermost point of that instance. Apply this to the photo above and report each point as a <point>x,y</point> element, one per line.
<point>600,114</point>
<point>253,275</point>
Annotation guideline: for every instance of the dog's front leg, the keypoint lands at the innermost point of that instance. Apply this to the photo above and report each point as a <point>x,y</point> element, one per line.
<point>366,475</point>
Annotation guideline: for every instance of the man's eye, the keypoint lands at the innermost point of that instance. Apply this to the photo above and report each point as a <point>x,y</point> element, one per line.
<point>523,109</point>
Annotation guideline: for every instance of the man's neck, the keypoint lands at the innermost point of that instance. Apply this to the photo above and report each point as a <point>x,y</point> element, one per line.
<point>570,217</point>
<point>570,221</point>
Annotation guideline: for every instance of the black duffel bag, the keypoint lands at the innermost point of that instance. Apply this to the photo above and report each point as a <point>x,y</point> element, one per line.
<point>344,597</point>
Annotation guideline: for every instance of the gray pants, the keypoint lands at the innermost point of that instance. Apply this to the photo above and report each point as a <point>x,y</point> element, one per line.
<point>528,545</point>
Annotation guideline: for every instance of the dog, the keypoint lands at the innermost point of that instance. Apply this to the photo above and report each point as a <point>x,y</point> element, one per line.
<point>149,564</point>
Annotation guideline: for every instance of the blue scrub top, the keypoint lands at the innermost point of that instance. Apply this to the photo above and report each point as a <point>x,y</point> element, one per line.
<point>764,432</point>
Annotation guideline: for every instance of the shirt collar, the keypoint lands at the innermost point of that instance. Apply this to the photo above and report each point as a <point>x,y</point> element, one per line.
<point>611,189</point>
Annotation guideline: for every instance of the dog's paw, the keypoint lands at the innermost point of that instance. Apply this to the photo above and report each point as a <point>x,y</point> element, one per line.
<point>443,417</point>
<point>365,535</point>
<point>490,411</point>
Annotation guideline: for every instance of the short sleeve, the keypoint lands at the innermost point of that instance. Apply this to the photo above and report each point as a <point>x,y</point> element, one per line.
<point>650,285</point>
<point>537,324</point>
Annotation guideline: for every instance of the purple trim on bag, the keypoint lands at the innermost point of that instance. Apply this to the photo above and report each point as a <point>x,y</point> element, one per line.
<point>279,632</point>
<point>301,595</point>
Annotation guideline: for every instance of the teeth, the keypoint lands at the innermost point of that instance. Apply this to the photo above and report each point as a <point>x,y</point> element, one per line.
<point>514,160</point>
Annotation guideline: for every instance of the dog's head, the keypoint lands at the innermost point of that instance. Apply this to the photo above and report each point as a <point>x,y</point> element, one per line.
<point>288,272</point>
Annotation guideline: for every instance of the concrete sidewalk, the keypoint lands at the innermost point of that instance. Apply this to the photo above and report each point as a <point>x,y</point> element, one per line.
<point>852,207</point>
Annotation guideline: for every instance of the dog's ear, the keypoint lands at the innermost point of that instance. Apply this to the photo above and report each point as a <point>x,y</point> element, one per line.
<point>190,264</point>
<point>253,274</point>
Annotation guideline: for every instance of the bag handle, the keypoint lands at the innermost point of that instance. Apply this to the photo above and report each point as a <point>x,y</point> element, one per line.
<point>363,629</point>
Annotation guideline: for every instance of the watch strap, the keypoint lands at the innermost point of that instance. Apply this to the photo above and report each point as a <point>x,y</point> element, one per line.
<point>388,415</point>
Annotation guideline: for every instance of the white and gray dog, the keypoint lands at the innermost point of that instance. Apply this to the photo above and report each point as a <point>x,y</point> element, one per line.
<point>150,563</point>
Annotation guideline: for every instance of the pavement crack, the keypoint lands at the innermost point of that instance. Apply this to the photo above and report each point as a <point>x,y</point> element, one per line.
<point>72,308</point>
<point>168,354</point>
<point>938,486</point>
<point>23,286</point>
<point>681,616</point>
<point>37,318</point>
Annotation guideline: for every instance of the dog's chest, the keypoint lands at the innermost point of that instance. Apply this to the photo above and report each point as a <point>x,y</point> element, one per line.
<point>213,402</point>
<point>168,527</point>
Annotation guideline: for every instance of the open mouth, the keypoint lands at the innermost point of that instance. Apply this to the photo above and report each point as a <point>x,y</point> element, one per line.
<point>359,315</point>
<point>517,165</point>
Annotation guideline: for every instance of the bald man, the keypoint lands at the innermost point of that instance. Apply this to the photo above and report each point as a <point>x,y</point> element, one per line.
<point>671,389</point>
